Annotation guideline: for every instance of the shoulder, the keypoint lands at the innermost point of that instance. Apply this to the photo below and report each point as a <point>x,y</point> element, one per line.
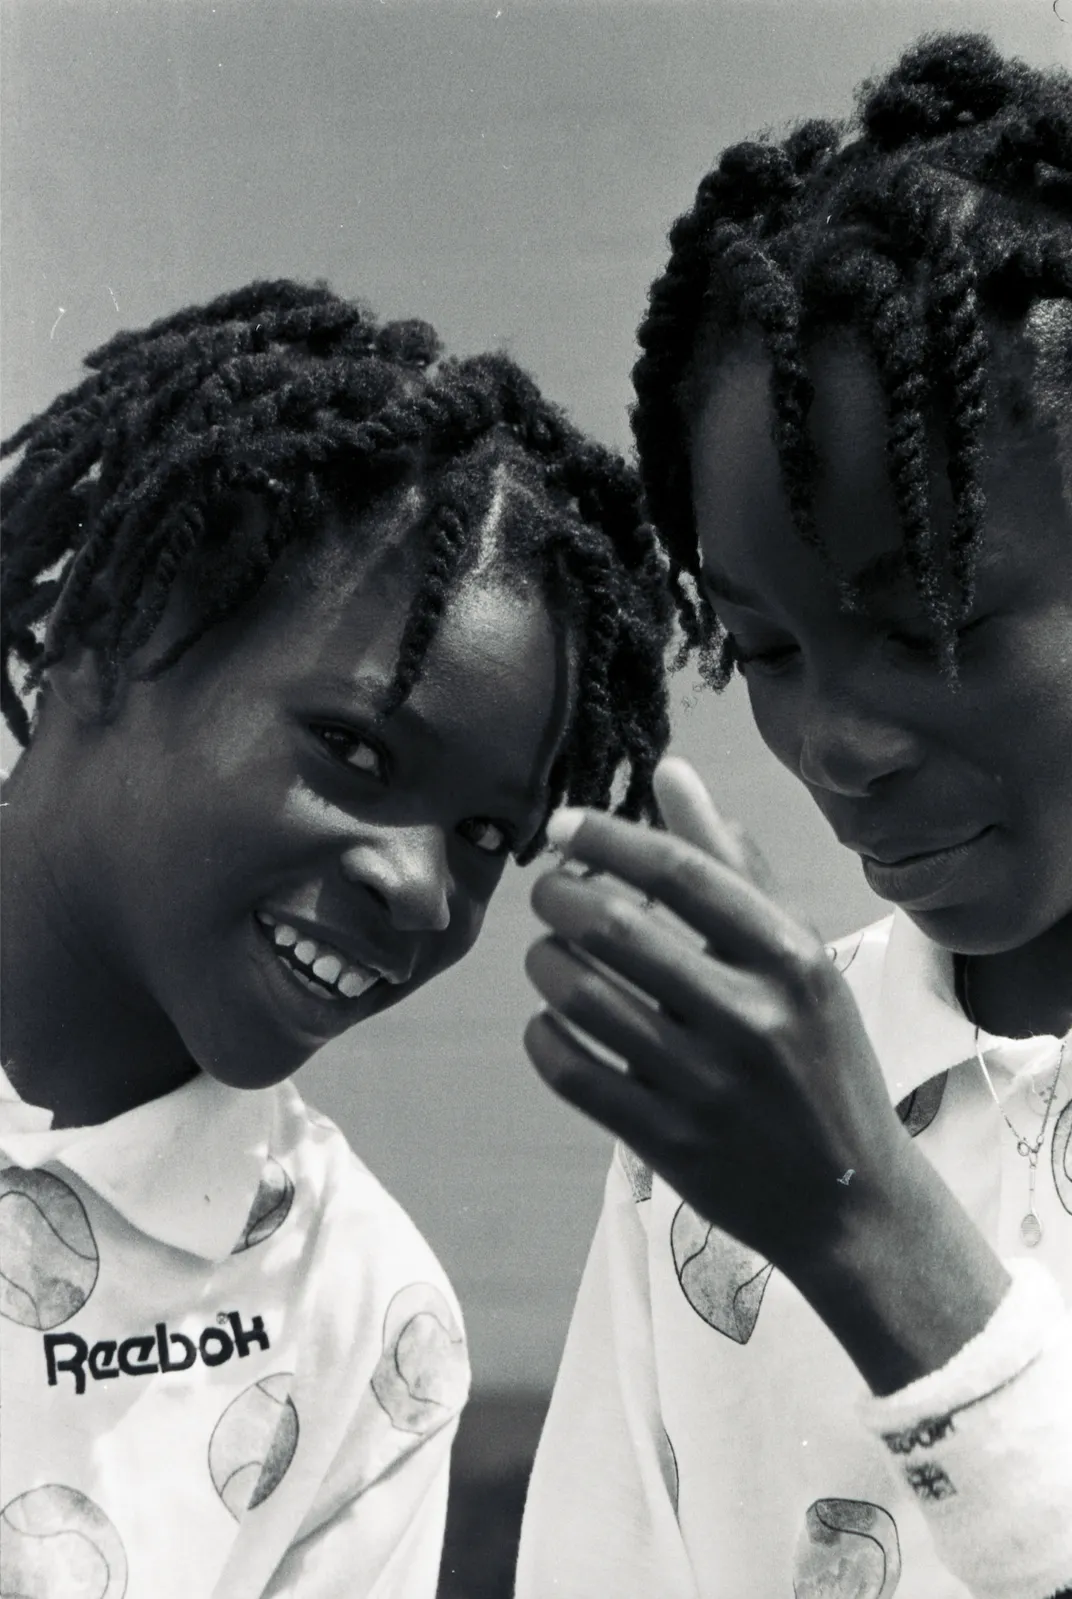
<point>384,1307</point>
<point>343,1207</point>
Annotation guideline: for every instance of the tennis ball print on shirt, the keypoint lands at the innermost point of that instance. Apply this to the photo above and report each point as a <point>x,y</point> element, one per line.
<point>48,1255</point>
<point>57,1544</point>
<point>668,1463</point>
<point>848,1549</point>
<point>919,1108</point>
<point>1061,1157</point>
<point>723,1280</point>
<point>844,957</point>
<point>636,1170</point>
<point>253,1443</point>
<point>422,1374</point>
<point>270,1208</point>
<point>417,1385</point>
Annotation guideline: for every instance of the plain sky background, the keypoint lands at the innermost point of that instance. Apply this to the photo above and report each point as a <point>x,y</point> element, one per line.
<point>507,171</point>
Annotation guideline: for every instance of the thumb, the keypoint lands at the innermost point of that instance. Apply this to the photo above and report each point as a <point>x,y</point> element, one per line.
<point>691,814</point>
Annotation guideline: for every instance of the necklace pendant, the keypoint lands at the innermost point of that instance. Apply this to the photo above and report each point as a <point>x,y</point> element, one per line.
<point>1031,1230</point>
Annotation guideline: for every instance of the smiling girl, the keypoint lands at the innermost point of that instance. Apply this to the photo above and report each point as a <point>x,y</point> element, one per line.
<point>321,629</point>
<point>823,1344</point>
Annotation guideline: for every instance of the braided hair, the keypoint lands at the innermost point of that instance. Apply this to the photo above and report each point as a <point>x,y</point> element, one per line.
<point>129,482</point>
<point>937,218</point>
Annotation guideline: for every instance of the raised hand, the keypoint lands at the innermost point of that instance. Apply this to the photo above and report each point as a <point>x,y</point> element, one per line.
<point>750,1084</point>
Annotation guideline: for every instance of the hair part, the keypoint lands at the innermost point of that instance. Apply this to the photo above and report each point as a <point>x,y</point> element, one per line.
<point>932,226</point>
<point>130,484</point>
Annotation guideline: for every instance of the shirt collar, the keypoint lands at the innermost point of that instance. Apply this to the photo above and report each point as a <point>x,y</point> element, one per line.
<point>183,1168</point>
<point>919,1027</point>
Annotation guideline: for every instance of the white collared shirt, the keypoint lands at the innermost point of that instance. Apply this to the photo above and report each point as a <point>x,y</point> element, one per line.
<point>704,1438</point>
<point>232,1368</point>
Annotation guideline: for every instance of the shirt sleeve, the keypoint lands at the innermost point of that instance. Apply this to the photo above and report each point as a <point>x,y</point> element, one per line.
<point>985,1444</point>
<point>383,1542</point>
<point>600,1517</point>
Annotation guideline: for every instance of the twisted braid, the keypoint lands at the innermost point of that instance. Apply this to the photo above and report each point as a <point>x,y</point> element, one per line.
<point>963,348</point>
<point>942,207</point>
<point>444,552</point>
<point>131,484</point>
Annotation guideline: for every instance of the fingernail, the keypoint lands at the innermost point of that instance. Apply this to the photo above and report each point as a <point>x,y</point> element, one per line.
<point>563,825</point>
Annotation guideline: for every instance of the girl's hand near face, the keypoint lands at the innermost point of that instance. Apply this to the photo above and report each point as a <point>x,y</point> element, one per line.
<point>751,1085</point>
<point>752,1088</point>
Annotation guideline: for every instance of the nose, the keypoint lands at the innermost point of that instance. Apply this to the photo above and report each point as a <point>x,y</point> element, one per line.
<point>407,870</point>
<point>847,745</point>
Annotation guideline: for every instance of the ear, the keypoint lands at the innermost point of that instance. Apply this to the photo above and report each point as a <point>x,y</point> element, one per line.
<point>75,681</point>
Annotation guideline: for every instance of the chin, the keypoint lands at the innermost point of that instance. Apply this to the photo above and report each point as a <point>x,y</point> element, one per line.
<point>255,1037</point>
<point>251,1057</point>
<point>252,1069</point>
<point>981,929</point>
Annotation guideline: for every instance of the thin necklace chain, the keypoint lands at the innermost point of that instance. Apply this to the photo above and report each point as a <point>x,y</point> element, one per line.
<point>1023,1146</point>
<point>1030,1225</point>
<point>1030,1221</point>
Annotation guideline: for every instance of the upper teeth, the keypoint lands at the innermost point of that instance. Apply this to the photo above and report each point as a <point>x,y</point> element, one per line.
<point>327,964</point>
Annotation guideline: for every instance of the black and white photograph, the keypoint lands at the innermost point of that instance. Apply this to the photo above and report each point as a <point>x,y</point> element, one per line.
<point>536,810</point>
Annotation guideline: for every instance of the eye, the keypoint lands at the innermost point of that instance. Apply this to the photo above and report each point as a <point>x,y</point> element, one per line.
<point>773,659</point>
<point>923,646</point>
<point>491,838</point>
<point>354,750</point>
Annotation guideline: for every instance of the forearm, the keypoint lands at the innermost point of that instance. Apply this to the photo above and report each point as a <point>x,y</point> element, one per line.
<point>907,1279</point>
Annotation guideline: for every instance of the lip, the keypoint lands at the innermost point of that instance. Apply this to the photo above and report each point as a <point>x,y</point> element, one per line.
<point>922,876</point>
<point>319,1015</point>
<point>391,969</point>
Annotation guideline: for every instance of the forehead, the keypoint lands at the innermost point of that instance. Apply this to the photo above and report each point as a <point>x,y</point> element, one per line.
<point>744,522</point>
<point>496,682</point>
<point>737,479</point>
<point>355,593</point>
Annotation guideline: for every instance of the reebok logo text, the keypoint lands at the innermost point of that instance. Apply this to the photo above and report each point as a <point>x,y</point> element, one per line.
<point>148,1353</point>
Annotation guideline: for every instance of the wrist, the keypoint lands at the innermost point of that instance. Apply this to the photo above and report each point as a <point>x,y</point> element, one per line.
<point>905,1279</point>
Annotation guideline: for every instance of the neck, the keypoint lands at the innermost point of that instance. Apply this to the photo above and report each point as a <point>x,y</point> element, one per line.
<point>79,1039</point>
<point>1020,992</point>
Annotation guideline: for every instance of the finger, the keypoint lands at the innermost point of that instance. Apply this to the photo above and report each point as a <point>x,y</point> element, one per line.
<point>654,955</point>
<point>744,925</point>
<point>691,814</point>
<point>618,1102</point>
<point>655,1048</point>
<point>755,865</point>
<point>689,811</point>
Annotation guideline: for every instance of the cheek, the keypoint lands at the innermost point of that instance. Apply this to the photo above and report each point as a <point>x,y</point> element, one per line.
<point>468,907</point>
<point>466,924</point>
<point>776,713</point>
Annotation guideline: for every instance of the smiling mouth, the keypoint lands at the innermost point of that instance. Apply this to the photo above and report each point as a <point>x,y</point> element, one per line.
<point>320,969</point>
<point>922,878</point>
<point>920,856</point>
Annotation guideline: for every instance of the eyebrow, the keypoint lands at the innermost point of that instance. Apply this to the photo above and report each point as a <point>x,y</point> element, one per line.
<point>718,586</point>
<point>876,576</point>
